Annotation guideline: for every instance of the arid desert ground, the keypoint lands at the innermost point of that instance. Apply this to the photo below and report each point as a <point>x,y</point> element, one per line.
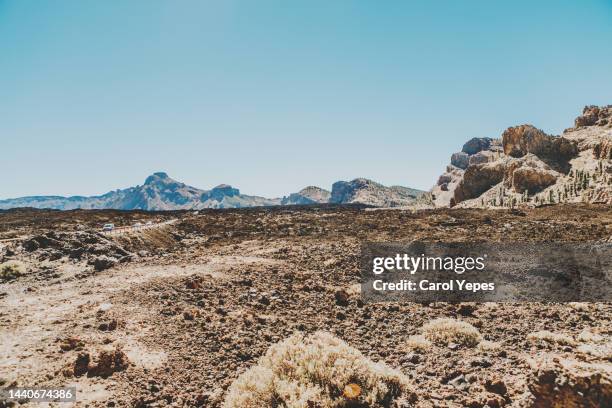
<point>172,315</point>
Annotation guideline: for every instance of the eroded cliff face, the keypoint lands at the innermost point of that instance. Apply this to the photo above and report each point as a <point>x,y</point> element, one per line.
<point>526,166</point>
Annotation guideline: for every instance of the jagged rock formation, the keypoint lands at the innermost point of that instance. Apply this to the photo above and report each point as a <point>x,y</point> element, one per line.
<point>225,196</point>
<point>364,191</point>
<point>307,195</point>
<point>529,167</point>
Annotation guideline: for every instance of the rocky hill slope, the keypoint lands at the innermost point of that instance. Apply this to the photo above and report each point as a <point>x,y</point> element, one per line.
<point>364,191</point>
<point>307,195</point>
<point>529,167</point>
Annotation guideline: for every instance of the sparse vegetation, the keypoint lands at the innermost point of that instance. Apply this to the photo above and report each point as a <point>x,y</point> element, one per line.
<point>489,346</point>
<point>545,336</point>
<point>445,331</point>
<point>319,370</point>
<point>9,272</point>
<point>418,343</point>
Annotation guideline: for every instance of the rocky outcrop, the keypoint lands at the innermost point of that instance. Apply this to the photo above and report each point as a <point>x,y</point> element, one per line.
<point>477,179</point>
<point>527,166</point>
<point>460,159</point>
<point>526,139</point>
<point>529,174</point>
<point>477,144</point>
<point>364,191</point>
<point>595,116</point>
<point>307,195</point>
<point>561,382</point>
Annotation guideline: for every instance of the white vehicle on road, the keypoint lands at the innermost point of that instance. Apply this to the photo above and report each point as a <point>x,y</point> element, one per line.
<point>108,227</point>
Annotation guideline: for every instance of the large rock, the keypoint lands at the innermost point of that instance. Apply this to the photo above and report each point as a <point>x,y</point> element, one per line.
<point>477,179</point>
<point>481,157</point>
<point>476,144</point>
<point>559,382</point>
<point>525,139</point>
<point>103,262</point>
<point>529,174</point>
<point>460,159</point>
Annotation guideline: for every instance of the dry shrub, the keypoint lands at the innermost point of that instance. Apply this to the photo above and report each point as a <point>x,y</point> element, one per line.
<point>587,336</point>
<point>445,331</point>
<point>601,351</point>
<point>316,371</point>
<point>418,343</point>
<point>490,346</point>
<point>9,272</point>
<point>580,306</point>
<point>551,338</point>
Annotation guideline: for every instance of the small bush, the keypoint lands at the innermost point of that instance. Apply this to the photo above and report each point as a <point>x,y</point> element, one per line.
<point>551,338</point>
<point>579,306</point>
<point>9,272</point>
<point>490,346</point>
<point>316,371</point>
<point>418,343</point>
<point>587,336</point>
<point>602,351</point>
<point>445,331</point>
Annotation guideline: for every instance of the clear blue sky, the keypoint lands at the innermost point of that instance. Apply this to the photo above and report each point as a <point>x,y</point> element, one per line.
<point>271,96</point>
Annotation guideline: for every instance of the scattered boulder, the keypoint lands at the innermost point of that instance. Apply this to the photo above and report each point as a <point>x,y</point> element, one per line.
<point>560,382</point>
<point>103,262</point>
<point>81,364</point>
<point>342,297</point>
<point>71,343</point>
<point>108,362</point>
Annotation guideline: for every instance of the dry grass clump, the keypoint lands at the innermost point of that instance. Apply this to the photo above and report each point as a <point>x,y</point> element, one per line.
<point>489,346</point>
<point>587,336</point>
<point>319,370</point>
<point>602,351</point>
<point>579,306</point>
<point>445,331</point>
<point>418,343</point>
<point>9,272</point>
<point>551,338</point>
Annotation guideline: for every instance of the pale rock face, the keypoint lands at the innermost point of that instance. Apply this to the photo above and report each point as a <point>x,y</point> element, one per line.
<point>529,167</point>
<point>307,195</point>
<point>364,191</point>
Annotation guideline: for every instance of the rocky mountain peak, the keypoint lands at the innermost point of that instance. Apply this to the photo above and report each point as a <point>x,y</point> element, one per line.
<point>364,191</point>
<point>158,177</point>
<point>307,195</point>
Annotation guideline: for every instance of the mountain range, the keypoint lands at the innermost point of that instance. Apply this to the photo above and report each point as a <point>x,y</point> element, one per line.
<point>160,192</point>
<point>525,166</point>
